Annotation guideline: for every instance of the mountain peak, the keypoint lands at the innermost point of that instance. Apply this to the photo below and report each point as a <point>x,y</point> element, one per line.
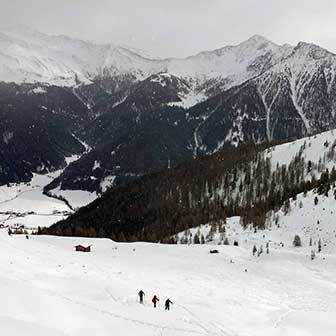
<point>257,39</point>
<point>312,50</point>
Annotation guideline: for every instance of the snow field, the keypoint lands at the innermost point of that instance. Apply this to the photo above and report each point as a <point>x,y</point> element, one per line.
<point>49,288</point>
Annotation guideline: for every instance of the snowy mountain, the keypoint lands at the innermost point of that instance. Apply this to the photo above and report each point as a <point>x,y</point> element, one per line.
<point>294,98</point>
<point>290,100</point>
<point>30,56</point>
<point>141,115</point>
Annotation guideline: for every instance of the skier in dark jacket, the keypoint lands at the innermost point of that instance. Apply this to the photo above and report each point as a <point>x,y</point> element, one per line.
<point>155,300</point>
<point>167,304</point>
<point>141,296</point>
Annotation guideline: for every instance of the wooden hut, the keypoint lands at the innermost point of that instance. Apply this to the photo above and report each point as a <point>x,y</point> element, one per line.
<point>81,248</point>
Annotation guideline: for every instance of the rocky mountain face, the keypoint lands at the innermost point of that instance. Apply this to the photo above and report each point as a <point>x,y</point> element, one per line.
<point>141,115</point>
<point>292,99</point>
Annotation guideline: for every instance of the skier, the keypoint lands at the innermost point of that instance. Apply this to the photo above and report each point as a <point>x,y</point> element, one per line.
<point>167,304</point>
<point>155,300</point>
<point>141,296</point>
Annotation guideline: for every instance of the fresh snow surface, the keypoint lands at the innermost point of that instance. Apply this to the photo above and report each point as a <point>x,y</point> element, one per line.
<point>49,289</point>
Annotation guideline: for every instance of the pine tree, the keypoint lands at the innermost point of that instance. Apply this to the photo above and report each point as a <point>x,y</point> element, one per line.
<point>297,241</point>
<point>122,237</point>
<point>226,241</point>
<point>254,251</point>
<point>261,250</point>
<point>196,238</point>
<point>319,245</point>
<point>287,207</point>
<point>312,255</point>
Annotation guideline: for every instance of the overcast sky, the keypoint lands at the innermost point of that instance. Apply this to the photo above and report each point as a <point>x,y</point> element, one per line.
<point>178,27</point>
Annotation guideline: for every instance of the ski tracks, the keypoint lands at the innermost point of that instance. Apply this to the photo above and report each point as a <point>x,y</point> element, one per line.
<point>159,327</point>
<point>222,330</point>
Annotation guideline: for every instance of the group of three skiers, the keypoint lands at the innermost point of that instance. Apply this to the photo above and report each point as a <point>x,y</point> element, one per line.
<point>155,300</point>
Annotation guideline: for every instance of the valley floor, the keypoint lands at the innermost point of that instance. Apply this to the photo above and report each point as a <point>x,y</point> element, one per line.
<point>25,203</point>
<point>46,288</point>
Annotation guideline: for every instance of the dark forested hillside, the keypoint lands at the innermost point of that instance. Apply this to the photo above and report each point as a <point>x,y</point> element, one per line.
<point>36,129</point>
<point>234,181</point>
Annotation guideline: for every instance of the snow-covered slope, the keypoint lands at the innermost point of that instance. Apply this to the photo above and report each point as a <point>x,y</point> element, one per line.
<point>310,215</point>
<point>318,148</point>
<point>50,289</point>
<point>311,222</point>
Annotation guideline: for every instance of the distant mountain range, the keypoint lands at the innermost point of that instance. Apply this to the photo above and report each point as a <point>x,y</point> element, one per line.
<point>140,115</point>
<point>30,56</point>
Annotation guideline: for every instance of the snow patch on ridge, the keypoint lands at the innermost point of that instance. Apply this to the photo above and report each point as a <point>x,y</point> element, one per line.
<point>190,99</point>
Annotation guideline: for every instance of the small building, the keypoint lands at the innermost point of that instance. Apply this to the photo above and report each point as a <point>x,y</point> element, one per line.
<point>81,248</point>
<point>214,251</point>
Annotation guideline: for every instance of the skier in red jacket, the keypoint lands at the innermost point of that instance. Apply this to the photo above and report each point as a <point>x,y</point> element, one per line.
<point>155,300</point>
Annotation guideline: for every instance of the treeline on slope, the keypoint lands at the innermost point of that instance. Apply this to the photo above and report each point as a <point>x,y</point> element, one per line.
<point>234,182</point>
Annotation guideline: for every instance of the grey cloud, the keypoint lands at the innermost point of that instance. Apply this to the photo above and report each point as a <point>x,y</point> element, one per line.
<point>178,27</point>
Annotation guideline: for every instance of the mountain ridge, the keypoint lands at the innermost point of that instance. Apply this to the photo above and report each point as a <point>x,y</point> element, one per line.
<point>68,60</point>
